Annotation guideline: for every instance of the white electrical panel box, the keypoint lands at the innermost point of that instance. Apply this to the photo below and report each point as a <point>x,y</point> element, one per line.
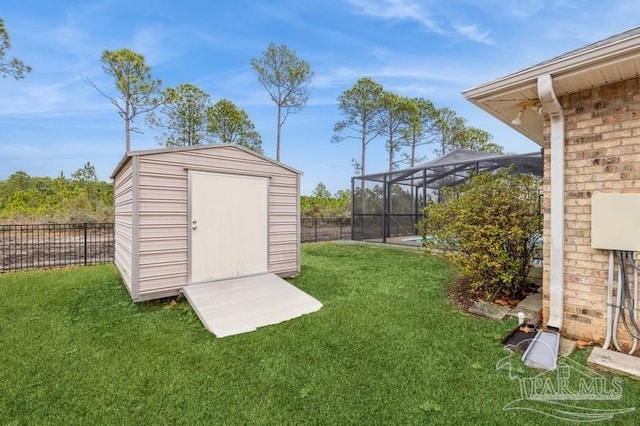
<point>615,221</point>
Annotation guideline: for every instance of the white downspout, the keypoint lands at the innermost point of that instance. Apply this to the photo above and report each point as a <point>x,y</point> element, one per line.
<point>556,256</point>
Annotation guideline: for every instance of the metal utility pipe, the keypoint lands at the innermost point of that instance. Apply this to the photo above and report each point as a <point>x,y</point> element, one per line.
<point>634,312</point>
<point>616,314</point>
<point>607,339</point>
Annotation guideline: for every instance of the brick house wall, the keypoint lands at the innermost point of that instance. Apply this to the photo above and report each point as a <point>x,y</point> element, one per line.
<point>602,154</point>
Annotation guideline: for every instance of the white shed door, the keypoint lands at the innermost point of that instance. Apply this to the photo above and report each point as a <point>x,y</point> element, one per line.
<point>229,226</point>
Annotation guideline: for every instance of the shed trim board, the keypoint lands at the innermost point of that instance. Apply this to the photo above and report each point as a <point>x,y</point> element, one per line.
<point>236,226</point>
<point>233,173</point>
<point>298,227</point>
<point>135,225</point>
<point>131,154</point>
<point>241,305</point>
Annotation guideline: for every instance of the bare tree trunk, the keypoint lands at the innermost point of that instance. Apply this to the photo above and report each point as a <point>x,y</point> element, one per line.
<point>278,133</point>
<point>127,133</point>
<point>362,170</point>
<point>390,153</point>
<point>362,158</point>
<point>413,151</point>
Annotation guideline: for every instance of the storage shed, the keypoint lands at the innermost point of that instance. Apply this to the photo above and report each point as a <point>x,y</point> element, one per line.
<point>200,214</point>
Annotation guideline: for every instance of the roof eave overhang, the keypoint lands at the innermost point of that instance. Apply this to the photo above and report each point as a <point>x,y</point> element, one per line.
<point>580,70</point>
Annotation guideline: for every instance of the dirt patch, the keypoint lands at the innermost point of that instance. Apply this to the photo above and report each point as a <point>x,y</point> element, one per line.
<point>462,294</point>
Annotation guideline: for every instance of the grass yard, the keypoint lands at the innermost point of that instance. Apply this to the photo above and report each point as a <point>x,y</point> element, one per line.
<point>386,348</point>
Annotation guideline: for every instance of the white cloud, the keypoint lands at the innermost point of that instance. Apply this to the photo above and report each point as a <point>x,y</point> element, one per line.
<point>413,10</point>
<point>408,10</point>
<point>415,71</point>
<point>150,41</point>
<point>46,97</point>
<point>473,33</point>
<point>524,9</point>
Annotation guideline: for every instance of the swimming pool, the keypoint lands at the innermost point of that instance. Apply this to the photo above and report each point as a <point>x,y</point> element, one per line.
<point>418,239</point>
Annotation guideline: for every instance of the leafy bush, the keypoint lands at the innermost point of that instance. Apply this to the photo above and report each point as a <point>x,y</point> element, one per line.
<point>320,204</point>
<point>83,198</point>
<point>490,227</point>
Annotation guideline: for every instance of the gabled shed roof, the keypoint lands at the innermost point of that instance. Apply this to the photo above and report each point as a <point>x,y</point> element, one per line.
<point>607,61</point>
<point>131,154</point>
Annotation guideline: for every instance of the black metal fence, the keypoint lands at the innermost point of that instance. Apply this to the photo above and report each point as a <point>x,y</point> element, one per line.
<point>325,229</point>
<point>55,245</point>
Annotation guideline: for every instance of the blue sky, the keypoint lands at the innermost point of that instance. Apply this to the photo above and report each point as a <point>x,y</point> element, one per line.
<point>51,121</point>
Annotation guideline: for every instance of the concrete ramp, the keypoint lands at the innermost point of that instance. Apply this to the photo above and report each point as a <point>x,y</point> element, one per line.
<point>240,305</point>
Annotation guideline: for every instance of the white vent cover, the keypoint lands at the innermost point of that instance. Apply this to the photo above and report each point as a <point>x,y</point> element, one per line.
<point>615,221</point>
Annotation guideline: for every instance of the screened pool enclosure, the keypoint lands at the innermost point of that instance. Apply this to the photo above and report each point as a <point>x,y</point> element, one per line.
<point>389,204</point>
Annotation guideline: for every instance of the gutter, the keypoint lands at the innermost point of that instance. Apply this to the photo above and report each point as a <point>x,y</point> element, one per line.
<point>588,58</point>
<point>552,107</point>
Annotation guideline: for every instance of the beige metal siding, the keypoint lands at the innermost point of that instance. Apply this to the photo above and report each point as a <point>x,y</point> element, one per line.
<point>163,216</point>
<point>284,218</point>
<point>284,235</point>
<point>123,207</point>
<point>163,224</point>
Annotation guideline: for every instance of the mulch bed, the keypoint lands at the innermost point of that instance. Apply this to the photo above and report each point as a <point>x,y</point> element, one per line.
<point>462,295</point>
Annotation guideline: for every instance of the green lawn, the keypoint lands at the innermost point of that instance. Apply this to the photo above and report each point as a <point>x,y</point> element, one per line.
<point>386,348</point>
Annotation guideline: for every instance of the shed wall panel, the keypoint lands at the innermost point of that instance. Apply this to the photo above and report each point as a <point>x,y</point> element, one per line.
<point>283,228</point>
<point>282,237</point>
<point>123,198</point>
<point>163,257</point>
<point>160,283</point>
<point>158,234</point>
<point>123,224</point>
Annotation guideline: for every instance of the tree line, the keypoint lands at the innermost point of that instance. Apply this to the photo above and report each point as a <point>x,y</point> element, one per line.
<point>79,198</point>
<point>84,198</point>
<point>371,114</point>
<point>321,204</point>
<point>185,114</point>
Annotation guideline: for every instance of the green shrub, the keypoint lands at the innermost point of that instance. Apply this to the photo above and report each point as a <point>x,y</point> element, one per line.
<point>321,205</point>
<point>84,198</point>
<point>490,227</point>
